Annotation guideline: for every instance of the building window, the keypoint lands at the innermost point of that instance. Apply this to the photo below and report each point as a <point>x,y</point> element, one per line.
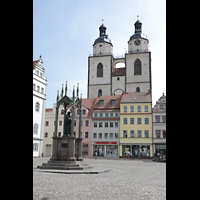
<point>137,67</point>
<point>111,114</point>
<point>37,72</point>
<point>47,123</point>
<point>113,102</point>
<point>132,108</point>
<point>116,135</point>
<point>62,111</point>
<point>139,120</point>
<point>163,118</point>
<point>146,120</point>
<point>132,134</point>
<point>125,120</point>
<point>95,114</point>
<point>111,135</point>
<point>37,106</point>
<point>157,133</point>
<point>35,146</point>
<point>60,123</point>
<point>137,89</point>
<point>33,86</point>
<point>74,122</point>
<point>84,112</point>
<point>35,129</point>
<point>38,88</point>
<point>106,114</point>
<point>40,74</point>
<point>59,134</point>
<point>106,136</point>
<point>139,133</point>
<point>95,124</point>
<point>157,118</point>
<point>99,92</point>
<point>100,124</point>
<point>87,123</point>
<point>111,124</point>
<point>146,133</point>
<point>42,90</point>
<point>125,133</point>
<point>46,135</point>
<point>161,106</point>
<point>139,108</point>
<point>100,70</point>
<point>86,134</point>
<point>85,149</point>
<point>94,135</point>
<point>106,124</point>
<point>146,108</point>
<point>116,124</point>
<point>77,112</point>
<point>164,133</point>
<point>101,102</point>
<point>125,108</point>
<point>100,135</point>
<point>132,121</point>
<point>118,78</point>
<point>116,115</point>
<point>101,114</point>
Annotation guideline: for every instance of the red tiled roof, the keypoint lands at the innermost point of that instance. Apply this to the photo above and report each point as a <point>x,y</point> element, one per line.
<point>107,102</point>
<point>88,103</point>
<point>135,97</point>
<point>118,72</point>
<point>48,110</point>
<point>34,64</point>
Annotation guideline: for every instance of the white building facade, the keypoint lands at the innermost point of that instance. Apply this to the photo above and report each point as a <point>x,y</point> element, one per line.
<point>103,76</point>
<point>39,101</point>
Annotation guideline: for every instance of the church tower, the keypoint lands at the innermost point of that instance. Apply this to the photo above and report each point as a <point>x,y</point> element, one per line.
<point>100,66</point>
<point>138,62</point>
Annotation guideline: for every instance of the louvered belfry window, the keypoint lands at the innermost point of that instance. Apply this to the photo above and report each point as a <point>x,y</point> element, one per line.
<point>137,67</point>
<point>100,70</point>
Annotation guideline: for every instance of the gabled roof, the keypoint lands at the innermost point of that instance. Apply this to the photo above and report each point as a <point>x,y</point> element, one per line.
<point>88,103</point>
<point>107,102</point>
<point>34,62</point>
<point>118,71</point>
<point>135,97</point>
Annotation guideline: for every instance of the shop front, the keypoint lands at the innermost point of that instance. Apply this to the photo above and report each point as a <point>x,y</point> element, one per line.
<point>160,149</point>
<point>105,149</point>
<point>136,151</point>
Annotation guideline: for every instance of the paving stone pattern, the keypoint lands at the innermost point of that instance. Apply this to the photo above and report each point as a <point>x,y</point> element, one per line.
<point>129,179</point>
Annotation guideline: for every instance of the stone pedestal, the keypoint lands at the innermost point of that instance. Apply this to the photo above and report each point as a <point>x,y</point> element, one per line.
<point>63,149</point>
<point>78,149</point>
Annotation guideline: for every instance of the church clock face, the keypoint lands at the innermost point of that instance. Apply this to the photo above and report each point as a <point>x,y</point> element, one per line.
<point>137,42</point>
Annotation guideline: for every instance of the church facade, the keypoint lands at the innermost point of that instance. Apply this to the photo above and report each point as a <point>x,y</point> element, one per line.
<point>103,76</point>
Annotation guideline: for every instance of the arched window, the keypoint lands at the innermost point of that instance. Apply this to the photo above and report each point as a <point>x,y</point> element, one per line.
<point>35,128</point>
<point>137,67</point>
<point>100,70</point>
<point>37,106</point>
<point>137,89</point>
<point>99,93</point>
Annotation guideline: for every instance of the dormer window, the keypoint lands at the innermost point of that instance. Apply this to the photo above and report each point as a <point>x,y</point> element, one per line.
<point>101,102</point>
<point>113,102</point>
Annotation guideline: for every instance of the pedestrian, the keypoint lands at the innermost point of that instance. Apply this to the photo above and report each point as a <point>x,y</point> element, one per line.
<point>95,155</point>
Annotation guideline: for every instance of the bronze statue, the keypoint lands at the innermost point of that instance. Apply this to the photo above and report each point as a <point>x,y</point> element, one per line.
<point>67,125</point>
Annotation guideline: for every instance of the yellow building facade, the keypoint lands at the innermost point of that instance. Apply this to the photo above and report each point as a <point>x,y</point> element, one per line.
<point>136,125</point>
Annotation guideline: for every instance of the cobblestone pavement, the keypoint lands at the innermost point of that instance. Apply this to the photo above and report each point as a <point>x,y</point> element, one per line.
<point>129,179</point>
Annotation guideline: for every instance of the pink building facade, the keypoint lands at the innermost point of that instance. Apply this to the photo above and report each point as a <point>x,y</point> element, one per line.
<point>86,128</point>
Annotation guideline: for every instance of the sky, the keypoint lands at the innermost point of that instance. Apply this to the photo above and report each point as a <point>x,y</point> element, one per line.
<point>64,32</point>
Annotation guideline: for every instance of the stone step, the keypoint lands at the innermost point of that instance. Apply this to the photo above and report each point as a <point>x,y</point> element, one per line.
<point>63,167</point>
<point>61,164</point>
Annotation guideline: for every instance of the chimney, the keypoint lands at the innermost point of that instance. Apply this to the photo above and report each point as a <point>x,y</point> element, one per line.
<point>148,91</point>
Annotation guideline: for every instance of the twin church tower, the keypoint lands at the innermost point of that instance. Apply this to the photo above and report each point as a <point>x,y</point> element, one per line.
<point>103,76</point>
